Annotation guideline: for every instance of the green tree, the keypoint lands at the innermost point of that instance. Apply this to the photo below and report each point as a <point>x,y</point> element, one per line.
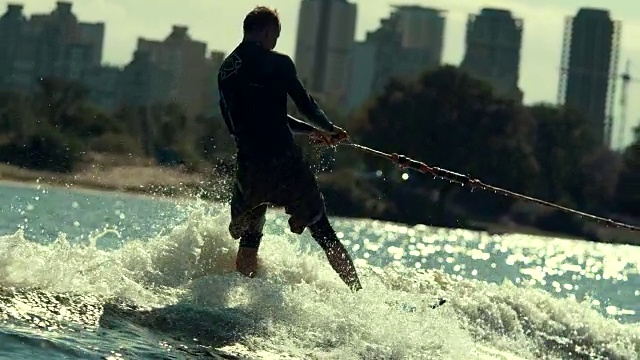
<point>628,191</point>
<point>576,170</point>
<point>213,141</point>
<point>88,121</point>
<point>65,105</point>
<point>561,142</point>
<point>57,98</point>
<point>136,123</point>
<point>46,149</point>
<point>171,125</point>
<point>451,120</point>
<point>600,170</point>
<point>17,119</point>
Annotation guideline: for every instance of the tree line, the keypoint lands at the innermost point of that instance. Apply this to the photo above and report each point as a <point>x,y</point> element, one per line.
<point>444,118</point>
<point>454,121</point>
<point>56,126</point>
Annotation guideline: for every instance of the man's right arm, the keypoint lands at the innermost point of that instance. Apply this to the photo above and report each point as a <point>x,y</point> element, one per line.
<point>303,100</point>
<point>226,112</point>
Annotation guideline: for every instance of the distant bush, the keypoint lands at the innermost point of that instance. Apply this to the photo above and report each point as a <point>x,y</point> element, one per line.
<point>563,222</point>
<point>191,159</point>
<point>47,150</point>
<point>116,144</point>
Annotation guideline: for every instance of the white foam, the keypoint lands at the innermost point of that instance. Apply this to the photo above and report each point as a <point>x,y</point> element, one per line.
<point>302,308</point>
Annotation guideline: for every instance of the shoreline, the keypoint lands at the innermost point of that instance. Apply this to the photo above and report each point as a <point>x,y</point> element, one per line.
<point>165,183</point>
<point>148,181</point>
<point>96,190</point>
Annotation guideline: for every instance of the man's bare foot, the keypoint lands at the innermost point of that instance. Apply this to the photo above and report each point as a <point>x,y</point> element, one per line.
<point>247,261</point>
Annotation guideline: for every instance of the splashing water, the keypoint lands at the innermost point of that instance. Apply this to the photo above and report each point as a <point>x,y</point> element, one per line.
<point>176,294</point>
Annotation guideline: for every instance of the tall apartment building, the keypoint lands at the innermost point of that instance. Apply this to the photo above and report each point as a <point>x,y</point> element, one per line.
<point>185,60</point>
<point>47,45</point>
<point>175,69</point>
<point>589,68</point>
<point>362,71</point>
<point>407,43</point>
<point>326,34</point>
<point>493,45</point>
<point>421,28</point>
<point>104,84</point>
<point>13,30</point>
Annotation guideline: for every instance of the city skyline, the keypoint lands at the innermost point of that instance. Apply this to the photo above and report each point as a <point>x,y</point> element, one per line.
<point>541,50</point>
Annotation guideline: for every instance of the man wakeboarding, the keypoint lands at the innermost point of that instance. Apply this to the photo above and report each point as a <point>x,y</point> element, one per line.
<point>254,82</point>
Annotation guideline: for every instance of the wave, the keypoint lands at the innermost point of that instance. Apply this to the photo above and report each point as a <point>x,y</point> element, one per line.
<point>182,286</point>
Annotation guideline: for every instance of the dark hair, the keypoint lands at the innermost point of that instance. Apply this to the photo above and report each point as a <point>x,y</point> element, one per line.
<point>259,18</point>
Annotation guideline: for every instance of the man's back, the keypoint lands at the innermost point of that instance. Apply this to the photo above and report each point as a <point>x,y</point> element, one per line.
<point>254,83</point>
<point>253,99</point>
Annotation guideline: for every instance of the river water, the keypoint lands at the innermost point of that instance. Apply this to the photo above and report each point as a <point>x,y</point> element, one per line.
<point>87,275</point>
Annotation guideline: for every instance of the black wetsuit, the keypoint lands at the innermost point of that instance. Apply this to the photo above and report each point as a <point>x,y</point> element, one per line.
<point>254,84</point>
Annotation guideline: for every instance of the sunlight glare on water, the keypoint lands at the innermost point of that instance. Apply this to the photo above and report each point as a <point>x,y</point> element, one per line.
<point>98,274</point>
<point>560,266</point>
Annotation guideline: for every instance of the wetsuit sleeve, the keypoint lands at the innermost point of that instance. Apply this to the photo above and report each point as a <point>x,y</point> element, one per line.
<point>303,100</point>
<point>299,127</point>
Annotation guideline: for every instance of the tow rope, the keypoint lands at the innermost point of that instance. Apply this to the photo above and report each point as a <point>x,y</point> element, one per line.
<point>464,180</point>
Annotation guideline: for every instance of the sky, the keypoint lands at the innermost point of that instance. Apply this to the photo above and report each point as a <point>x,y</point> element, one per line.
<point>219,24</point>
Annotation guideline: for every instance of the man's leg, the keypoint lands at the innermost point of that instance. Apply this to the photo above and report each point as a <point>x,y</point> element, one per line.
<point>337,254</point>
<point>251,224</point>
<point>301,197</point>
<point>246,225</point>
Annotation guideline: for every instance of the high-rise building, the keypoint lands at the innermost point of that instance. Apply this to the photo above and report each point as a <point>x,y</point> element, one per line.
<point>143,82</point>
<point>104,84</point>
<point>13,29</point>
<point>93,34</point>
<point>421,28</point>
<point>47,45</point>
<point>362,70</point>
<point>407,43</point>
<point>65,46</point>
<point>589,68</point>
<point>326,34</point>
<point>493,45</point>
<point>185,59</point>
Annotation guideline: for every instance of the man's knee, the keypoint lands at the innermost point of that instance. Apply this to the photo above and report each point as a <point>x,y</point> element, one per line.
<point>251,241</point>
<point>306,212</point>
<point>297,224</point>
<point>248,228</point>
<point>235,231</point>
<point>250,222</point>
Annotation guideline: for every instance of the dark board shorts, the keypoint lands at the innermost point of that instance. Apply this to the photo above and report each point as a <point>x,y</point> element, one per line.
<point>286,181</point>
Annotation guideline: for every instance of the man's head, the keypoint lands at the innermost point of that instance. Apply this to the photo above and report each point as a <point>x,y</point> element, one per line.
<point>263,25</point>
